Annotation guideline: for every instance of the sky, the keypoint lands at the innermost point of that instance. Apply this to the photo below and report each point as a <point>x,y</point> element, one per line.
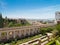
<point>29,9</point>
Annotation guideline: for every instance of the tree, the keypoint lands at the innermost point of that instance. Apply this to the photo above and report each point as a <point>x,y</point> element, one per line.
<point>6,22</point>
<point>1,21</point>
<point>58,28</point>
<point>49,29</point>
<point>10,24</point>
<point>43,31</point>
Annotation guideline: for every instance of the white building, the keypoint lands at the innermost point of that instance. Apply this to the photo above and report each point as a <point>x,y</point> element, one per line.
<point>57,16</point>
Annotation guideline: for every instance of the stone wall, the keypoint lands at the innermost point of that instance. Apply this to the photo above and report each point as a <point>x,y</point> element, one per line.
<point>20,32</point>
<point>10,33</point>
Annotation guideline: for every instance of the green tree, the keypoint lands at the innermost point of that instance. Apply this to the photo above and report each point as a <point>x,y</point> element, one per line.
<point>6,22</point>
<point>11,24</point>
<point>49,29</point>
<point>43,30</point>
<point>58,28</point>
<point>1,21</point>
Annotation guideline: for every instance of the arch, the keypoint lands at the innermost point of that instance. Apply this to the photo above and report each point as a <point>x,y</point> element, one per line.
<point>27,33</point>
<point>17,34</point>
<point>22,33</point>
<point>31,32</point>
<point>11,35</point>
<point>3,36</point>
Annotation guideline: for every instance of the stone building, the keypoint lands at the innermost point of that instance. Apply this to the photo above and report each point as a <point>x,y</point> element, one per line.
<point>20,32</point>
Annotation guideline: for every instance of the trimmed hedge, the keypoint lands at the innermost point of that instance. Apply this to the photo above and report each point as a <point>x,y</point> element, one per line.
<point>57,42</point>
<point>50,43</point>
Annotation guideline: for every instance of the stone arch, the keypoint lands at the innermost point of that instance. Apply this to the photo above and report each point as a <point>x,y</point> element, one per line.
<point>35,32</point>
<point>22,33</point>
<point>17,34</point>
<point>27,32</point>
<point>31,32</point>
<point>3,36</point>
<point>11,35</point>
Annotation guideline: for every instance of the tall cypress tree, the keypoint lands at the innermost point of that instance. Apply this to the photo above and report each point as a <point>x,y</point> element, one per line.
<point>1,21</point>
<point>6,22</point>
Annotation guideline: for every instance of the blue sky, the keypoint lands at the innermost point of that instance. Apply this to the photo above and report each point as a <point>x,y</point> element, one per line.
<point>31,9</point>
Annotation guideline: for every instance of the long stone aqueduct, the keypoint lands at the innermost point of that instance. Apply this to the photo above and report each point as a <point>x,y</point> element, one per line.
<point>23,31</point>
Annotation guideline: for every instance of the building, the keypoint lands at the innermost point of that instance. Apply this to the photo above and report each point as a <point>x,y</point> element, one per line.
<point>7,34</point>
<point>57,16</point>
<point>18,32</point>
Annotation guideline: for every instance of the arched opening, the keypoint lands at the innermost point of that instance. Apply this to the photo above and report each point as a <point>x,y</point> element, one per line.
<point>17,35</point>
<point>3,36</point>
<point>11,35</point>
<point>22,34</point>
<point>27,33</point>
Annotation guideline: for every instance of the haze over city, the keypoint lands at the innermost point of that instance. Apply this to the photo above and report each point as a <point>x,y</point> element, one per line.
<point>31,9</point>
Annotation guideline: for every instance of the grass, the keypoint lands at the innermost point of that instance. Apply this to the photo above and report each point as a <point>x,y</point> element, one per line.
<point>35,44</point>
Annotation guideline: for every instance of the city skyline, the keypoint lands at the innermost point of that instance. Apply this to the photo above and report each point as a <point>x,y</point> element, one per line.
<point>31,9</point>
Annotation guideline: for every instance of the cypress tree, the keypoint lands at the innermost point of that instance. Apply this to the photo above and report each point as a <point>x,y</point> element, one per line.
<point>6,22</point>
<point>1,21</point>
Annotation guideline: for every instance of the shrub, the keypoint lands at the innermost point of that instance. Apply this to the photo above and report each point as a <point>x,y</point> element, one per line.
<point>57,42</point>
<point>10,24</point>
<point>50,43</point>
<point>45,30</point>
<point>49,29</point>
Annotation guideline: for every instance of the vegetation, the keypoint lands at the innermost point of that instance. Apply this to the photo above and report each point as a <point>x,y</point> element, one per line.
<point>1,21</point>
<point>58,29</point>
<point>57,42</point>
<point>58,39</point>
<point>35,44</point>
<point>45,30</point>
<point>27,39</point>
<point>16,42</point>
<point>11,24</point>
<point>50,43</point>
<point>6,22</point>
<point>54,42</point>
